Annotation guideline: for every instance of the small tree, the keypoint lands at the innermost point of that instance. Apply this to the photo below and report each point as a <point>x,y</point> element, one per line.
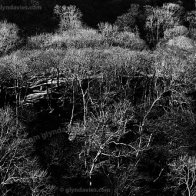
<point>184,173</point>
<point>8,36</point>
<point>108,31</point>
<point>17,169</point>
<point>191,19</point>
<point>70,17</point>
<point>160,19</point>
<point>128,20</point>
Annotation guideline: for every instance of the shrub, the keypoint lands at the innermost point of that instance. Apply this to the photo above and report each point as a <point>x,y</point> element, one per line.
<point>43,63</point>
<point>191,18</point>
<point>12,67</point>
<point>175,32</point>
<point>86,38</point>
<point>8,36</point>
<point>77,39</point>
<point>108,31</point>
<point>129,40</point>
<point>176,63</point>
<point>169,66</point>
<point>39,41</point>
<point>110,62</point>
<point>182,43</point>
<point>24,65</point>
<point>192,33</point>
<point>112,37</point>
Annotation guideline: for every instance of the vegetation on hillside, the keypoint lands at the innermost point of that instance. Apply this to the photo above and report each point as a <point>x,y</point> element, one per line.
<point>110,110</point>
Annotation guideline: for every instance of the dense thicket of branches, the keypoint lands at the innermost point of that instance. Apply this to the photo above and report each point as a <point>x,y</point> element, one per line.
<point>112,109</point>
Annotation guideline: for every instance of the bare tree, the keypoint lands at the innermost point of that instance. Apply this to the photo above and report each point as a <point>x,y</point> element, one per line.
<point>16,166</point>
<point>183,172</point>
